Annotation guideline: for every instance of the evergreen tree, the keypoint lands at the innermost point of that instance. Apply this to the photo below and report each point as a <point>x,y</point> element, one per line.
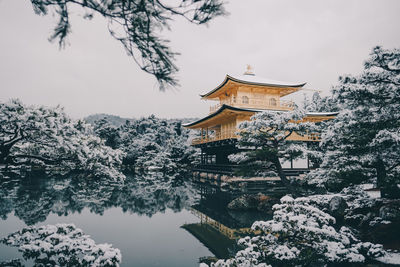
<point>150,143</point>
<point>46,137</point>
<point>266,138</point>
<point>108,132</point>
<point>137,25</point>
<point>320,104</point>
<point>364,140</point>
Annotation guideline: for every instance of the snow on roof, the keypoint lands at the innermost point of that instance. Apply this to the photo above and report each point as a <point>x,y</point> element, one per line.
<point>255,80</point>
<point>322,113</point>
<point>249,78</point>
<point>223,107</point>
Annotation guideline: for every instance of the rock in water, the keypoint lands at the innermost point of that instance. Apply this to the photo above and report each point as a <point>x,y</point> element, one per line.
<point>390,211</point>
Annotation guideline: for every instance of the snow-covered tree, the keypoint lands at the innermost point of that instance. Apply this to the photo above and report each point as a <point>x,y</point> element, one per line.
<point>313,104</point>
<point>47,137</point>
<point>150,143</point>
<point>105,130</point>
<point>181,152</point>
<point>62,245</point>
<point>137,25</point>
<point>319,104</point>
<point>266,138</point>
<point>301,235</point>
<point>364,140</point>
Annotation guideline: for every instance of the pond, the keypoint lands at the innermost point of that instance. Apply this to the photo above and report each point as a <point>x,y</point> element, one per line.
<point>152,219</point>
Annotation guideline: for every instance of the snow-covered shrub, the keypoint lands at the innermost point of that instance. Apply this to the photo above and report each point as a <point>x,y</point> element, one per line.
<point>238,262</point>
<point>301,234</point>
<point>62,245</point>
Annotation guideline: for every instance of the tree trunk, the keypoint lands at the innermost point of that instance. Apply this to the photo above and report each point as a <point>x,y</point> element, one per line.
<point>6,146</point>
<point>4,153</point>
<point>380,174</point>
<point>281,173</point>
<point>388,190</point>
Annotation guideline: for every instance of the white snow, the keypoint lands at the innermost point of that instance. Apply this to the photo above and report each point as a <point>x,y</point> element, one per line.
<point>63,242</point>
<point>298,226</point>
<point>264,81</point>
<point>374,193</point>
<point>254,79</point>
<point>367,186</point>
<point>390,258</point>
<point>321,113</point>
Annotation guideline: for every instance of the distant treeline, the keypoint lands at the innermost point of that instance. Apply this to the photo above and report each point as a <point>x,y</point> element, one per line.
<point>117,121</point>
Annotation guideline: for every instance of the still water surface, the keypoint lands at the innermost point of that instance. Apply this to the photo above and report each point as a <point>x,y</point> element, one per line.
<point>143,216</point>
<point>143,241</point>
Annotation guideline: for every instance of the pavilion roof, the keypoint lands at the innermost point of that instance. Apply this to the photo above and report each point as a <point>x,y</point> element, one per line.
<point>251,79</point>
<point>226,108</point>
<point>223,109</point>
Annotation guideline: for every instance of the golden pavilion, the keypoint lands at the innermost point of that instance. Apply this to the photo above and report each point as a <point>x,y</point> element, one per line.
<point>238,98</point>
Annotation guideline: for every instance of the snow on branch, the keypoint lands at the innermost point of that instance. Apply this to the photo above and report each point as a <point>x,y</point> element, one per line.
<point>301,234</point>
<point>46,137</point>
<point>62,245</point>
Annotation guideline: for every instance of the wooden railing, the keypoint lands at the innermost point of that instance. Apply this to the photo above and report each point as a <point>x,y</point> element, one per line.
<point>231,134</point>
<point>312,137</point>
<point>230,169</point>
<point>215,137</point>
<point>255,103</point>
<point>227,169</point>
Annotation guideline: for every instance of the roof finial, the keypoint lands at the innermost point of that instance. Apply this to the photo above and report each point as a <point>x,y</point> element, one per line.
<point>249,70</point>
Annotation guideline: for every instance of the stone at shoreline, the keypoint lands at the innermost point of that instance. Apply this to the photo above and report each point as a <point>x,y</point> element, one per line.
<point>390,211</point>
<point>265,203</point>
<point>244,202</point>
<point>377,220</point>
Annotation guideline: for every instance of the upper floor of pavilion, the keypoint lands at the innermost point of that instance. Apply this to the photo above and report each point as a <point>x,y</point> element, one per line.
<point>251,91</point>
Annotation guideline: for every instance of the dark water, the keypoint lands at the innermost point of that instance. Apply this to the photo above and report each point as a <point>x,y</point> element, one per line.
<point>154,220</point>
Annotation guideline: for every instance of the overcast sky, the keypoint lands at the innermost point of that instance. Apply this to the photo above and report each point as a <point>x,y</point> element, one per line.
<point>291,40</point>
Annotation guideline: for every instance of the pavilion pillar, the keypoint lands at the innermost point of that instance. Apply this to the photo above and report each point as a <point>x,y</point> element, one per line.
<point>291,162</point>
